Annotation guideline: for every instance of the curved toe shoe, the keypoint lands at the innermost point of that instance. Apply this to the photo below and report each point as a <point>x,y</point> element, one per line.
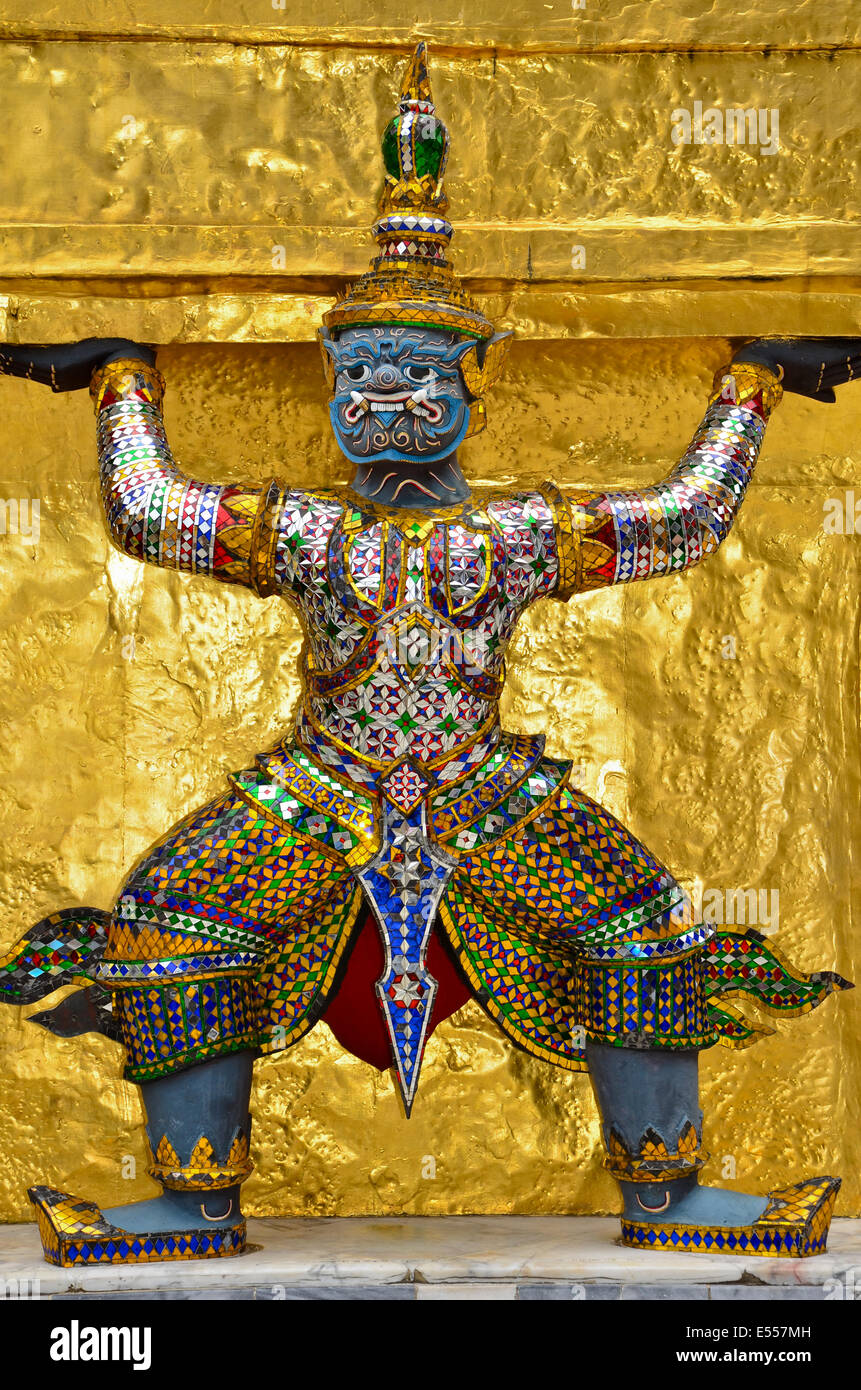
<point>74,1232</point>
<point>794,1224</point>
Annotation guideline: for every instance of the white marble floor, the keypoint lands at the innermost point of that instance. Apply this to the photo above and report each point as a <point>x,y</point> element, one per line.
<point>438,1257</point>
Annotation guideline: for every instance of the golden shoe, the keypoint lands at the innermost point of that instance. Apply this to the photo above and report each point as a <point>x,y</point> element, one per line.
<point>74,1232</point>
<point>794,1224</point>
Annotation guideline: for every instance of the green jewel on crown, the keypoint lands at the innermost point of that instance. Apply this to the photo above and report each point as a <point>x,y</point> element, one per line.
<point>415,148</point>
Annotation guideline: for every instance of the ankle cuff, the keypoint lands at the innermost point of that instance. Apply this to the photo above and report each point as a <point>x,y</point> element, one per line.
<point>653,1160</point>
<point>203,1172</point>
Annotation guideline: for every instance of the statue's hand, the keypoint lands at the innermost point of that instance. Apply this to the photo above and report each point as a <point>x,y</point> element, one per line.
<point>807,366</point>
<point>67,366</point>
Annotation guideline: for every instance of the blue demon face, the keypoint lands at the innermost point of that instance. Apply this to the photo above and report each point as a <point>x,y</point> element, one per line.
<point>398,394</point>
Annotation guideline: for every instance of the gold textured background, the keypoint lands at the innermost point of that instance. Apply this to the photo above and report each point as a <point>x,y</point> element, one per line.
<point>248,133</point>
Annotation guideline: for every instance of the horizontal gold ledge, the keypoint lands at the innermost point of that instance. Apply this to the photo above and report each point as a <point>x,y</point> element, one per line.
<point>720,309</point>
<point>157,137</point>
<point>451,44</point>
<point>532,24</point>
<point>630,251</point>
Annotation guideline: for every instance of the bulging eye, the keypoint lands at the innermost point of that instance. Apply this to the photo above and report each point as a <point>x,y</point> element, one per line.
<point>422,376</point>
<point>356,374</point>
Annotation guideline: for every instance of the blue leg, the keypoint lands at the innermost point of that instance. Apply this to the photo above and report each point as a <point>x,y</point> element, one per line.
<point>652,1125</point>
<point>198,1126</point>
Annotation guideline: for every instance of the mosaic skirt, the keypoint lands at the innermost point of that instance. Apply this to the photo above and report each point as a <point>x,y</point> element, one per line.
<point>234,930</point>
<point>238,930</point>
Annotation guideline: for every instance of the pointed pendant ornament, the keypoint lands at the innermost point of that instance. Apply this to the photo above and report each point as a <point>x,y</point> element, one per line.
<point>404,885</point>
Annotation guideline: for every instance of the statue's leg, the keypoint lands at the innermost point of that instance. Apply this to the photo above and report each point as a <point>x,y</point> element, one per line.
<point>198,925</point>
<point>584,952</point>
<point>198,1127</point>
<point>655,1094</point>
<point>646,1020</point>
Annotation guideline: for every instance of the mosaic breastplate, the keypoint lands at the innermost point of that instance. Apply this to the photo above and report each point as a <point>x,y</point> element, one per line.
<point>407,624</point>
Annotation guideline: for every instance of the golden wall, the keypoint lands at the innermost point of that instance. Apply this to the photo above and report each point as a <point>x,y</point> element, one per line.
<point>203,178</point>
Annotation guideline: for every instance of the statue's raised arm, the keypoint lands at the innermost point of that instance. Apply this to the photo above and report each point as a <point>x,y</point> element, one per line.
<point>154,511</point>
<point>616,536</point>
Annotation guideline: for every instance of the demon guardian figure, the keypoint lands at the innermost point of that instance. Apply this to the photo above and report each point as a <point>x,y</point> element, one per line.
<point>397,823</point>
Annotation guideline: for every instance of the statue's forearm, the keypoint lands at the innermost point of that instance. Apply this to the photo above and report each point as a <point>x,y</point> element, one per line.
<point>634,534</point>
<point>154,511</point>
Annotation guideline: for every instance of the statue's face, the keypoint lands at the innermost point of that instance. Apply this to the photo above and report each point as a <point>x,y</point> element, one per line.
<point>399,395</point>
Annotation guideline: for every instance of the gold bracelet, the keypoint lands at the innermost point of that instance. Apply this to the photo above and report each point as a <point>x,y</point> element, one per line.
<point>125,376</point>
<point>740,382</point>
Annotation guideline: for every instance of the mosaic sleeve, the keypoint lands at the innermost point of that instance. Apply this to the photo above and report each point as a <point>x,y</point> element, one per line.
<point>158,514</point>
<point>614,537</point>
<point>528,524</point>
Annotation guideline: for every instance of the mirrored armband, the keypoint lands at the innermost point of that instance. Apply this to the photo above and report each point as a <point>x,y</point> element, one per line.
<point>568,544</point>
<point>747,383</point>
<point>264,539</point>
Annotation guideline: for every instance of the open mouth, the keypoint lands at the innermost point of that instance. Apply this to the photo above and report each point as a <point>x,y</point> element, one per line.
<point>392,405</point>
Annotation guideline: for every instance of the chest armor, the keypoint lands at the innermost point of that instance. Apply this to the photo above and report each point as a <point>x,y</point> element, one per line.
<point>454,570</point>
<point>424,594</point>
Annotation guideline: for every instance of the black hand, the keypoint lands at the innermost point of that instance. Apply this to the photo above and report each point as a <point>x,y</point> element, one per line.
<point>807,366</point>
<point>68,366</point>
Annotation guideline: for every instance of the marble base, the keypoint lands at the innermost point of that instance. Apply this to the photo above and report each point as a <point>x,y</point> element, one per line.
<point>442,1258</point>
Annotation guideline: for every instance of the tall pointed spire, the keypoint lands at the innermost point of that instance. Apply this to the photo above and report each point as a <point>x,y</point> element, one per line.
<point>410,280</point>
<point>416,87</point>
<point>415,152</point>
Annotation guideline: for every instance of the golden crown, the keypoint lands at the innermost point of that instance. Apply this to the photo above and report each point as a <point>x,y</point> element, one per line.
<point>410,280</point>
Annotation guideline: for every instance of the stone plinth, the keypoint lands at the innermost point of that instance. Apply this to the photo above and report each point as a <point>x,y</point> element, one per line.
<point>444,1258</point>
